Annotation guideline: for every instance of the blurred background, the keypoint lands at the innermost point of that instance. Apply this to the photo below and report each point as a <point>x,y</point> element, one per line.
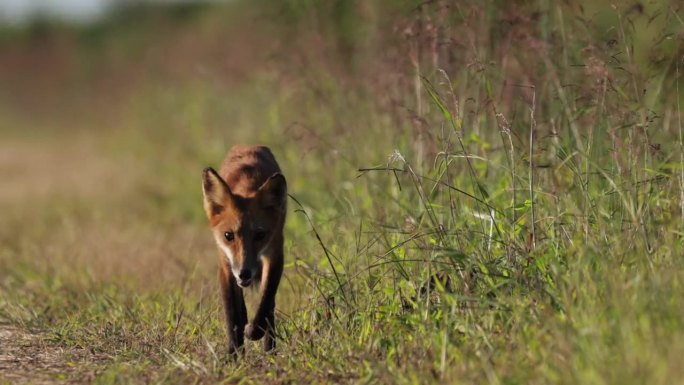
<point>17,12</point>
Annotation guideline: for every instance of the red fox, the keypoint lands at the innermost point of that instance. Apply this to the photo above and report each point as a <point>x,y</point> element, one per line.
<point>246,205</point>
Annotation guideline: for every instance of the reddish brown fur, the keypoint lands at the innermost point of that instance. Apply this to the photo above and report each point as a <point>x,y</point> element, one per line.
<point>246,168</point>
<point>248,200</point>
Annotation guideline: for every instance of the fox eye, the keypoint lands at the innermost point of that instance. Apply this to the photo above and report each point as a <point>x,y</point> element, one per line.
<point>259,235</point>
<point>229,235</point>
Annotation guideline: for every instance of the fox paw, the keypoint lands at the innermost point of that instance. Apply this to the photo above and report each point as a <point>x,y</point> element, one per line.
<point>254,332</point>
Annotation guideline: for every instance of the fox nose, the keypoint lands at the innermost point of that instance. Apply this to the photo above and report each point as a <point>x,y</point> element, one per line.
<point>245,275</point>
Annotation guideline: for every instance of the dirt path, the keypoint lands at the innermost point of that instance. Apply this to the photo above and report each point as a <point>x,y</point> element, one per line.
<point>79,167</point>
<point>25,359</point>
<point>31,172</point>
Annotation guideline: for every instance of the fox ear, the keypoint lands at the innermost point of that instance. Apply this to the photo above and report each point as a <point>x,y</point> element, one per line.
<point>273,193</point>
<point>217,194</point>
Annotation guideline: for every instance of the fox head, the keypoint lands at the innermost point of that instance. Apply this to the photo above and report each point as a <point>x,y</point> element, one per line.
<point>243,227</point>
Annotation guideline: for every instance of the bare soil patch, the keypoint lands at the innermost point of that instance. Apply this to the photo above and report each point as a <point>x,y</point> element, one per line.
<point>26,359</point>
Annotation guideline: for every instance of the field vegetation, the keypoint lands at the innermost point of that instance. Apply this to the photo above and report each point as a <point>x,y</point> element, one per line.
<point>481,192</point>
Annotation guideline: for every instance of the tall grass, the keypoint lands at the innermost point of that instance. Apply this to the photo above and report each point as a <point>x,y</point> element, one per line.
<point>481,192</point>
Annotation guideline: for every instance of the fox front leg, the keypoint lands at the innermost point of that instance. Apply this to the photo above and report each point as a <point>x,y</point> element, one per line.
<point>263,323</point>
<point>235,310</point>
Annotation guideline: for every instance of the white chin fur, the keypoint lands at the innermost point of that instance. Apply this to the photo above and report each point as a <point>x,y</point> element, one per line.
<point>229,257</point>
<point>228,253</point>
